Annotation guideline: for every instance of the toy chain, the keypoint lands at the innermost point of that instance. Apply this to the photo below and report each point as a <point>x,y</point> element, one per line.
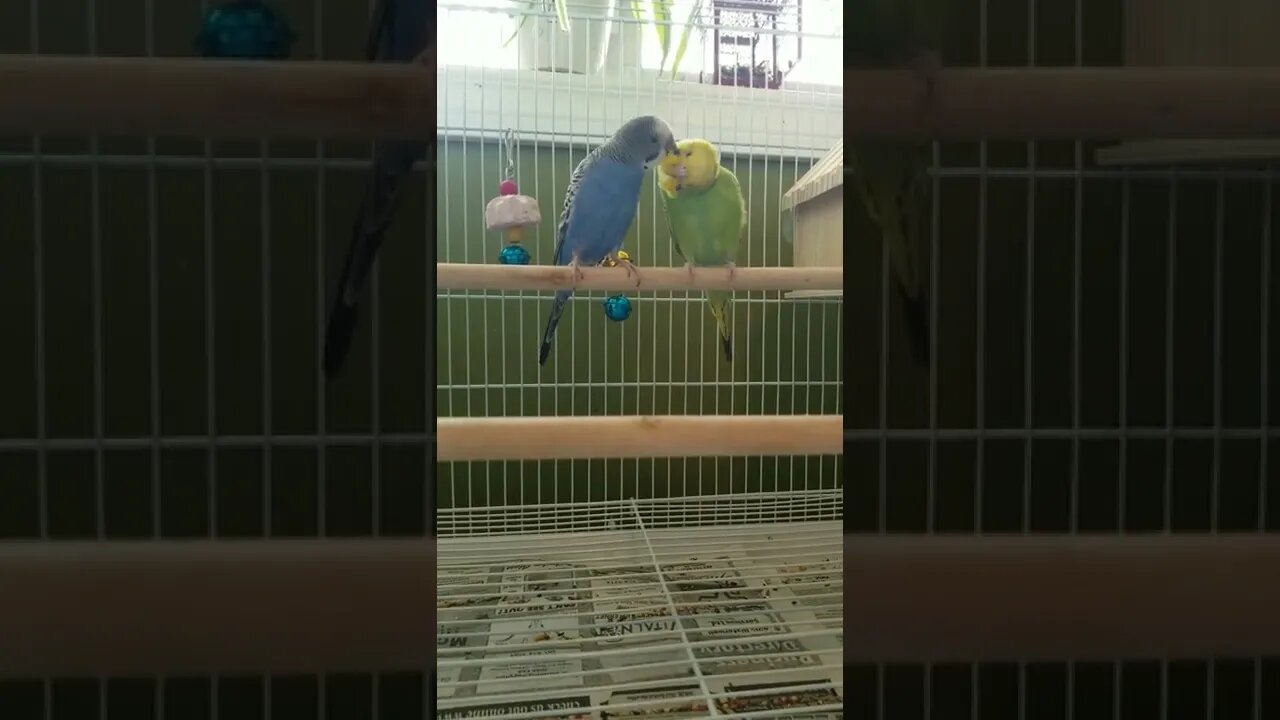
<point>508,143</point>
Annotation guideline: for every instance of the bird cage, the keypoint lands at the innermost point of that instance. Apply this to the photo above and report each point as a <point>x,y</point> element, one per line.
<point>814,217</point>
<point>754,42</point>
<point>1198,33</point>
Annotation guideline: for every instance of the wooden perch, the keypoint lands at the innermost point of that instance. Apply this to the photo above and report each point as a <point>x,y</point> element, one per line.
<point>1020,103</point>
<point>228,98</point>
<point>197,607</point>
<point>1033,598</point>
<point>645,436</point>
<point>474,276</point>
<point>287,606</point>
<point>215,98</point>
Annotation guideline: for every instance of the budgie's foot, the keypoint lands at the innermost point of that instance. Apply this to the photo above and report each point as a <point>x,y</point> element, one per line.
<point>733,271</point>
<point>632,270</point>
<point>577,272</point>
<point>689,268</point>
<point>928,64</point>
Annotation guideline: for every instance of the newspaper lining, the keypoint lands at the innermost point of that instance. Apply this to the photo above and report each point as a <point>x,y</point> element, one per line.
<point>620,614</point>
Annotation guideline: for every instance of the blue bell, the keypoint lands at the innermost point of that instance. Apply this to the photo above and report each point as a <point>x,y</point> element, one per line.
<point>617,308</point>
<point>245,29</point>
<point>513,255</point>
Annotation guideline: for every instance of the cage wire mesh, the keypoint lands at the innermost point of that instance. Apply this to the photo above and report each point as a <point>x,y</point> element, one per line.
<point>618,587</point>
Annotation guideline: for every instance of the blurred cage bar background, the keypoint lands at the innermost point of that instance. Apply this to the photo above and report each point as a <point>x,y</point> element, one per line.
<point>1104,364</point>
<point>167,299</point>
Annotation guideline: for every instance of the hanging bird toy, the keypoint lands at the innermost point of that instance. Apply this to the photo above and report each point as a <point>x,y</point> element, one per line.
<point>511,212</point>
<point>617,307</point>
<point>245,29</point>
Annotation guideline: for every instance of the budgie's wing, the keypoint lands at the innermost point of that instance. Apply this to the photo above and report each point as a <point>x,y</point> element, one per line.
<point>600,204</point>
<point>600,212</point>
<point>892,183</point>
<point>730,213</point>
<point>671,231</point>
<point>570,193</point>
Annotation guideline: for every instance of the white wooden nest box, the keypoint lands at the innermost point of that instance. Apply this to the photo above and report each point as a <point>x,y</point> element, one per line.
<point>816,206</point>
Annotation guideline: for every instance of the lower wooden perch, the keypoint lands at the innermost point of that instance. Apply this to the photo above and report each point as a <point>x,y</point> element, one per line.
<point>645,436</point>
<point>197,607</point>
<point>475,276</point>
<point>1055,598</point>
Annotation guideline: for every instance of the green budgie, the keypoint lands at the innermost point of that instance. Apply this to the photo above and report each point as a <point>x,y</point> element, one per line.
<point>707,216</point>
<point>891,177</point>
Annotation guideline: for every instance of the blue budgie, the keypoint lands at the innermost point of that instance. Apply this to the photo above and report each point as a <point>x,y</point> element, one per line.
<point>400,31</point>
<point>600,204</point>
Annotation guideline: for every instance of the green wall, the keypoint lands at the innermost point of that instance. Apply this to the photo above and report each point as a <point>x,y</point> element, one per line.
<point>664,359</point>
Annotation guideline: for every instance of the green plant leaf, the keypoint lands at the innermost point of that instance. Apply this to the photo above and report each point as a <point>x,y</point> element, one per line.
<point>523,20</point>
<point>694,14</point>
<point>562,14</point>
<point>662,16</point>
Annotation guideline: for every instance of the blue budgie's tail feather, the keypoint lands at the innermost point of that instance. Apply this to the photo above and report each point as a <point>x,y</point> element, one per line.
<point>371,225</point>
<point>557,307</point>
<point>337,337</point>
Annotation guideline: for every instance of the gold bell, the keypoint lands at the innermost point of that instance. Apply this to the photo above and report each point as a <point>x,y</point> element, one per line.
<point>622,255</point>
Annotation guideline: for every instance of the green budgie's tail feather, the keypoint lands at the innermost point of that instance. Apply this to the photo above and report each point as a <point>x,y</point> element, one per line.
<point>557,307</point>
<point>916,312</point>
<point>892,199</point>
<point>909,280</point>
<point>719,304</point>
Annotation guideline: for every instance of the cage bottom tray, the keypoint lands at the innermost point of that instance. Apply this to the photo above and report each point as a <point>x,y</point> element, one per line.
<point>638,608</point>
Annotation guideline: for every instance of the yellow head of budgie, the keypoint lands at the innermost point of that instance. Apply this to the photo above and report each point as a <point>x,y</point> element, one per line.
<point>693,165</point>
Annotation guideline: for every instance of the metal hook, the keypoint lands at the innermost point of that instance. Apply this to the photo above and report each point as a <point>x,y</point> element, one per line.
<point>508,139</point>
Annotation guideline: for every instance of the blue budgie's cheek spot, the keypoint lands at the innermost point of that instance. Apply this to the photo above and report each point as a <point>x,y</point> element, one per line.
<point>617,308</point>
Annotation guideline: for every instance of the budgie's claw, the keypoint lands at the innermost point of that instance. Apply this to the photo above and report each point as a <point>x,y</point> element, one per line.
<point>577,272</point>
<point>928,63</point>
<point>733,271</point>
<point>631,269</point>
